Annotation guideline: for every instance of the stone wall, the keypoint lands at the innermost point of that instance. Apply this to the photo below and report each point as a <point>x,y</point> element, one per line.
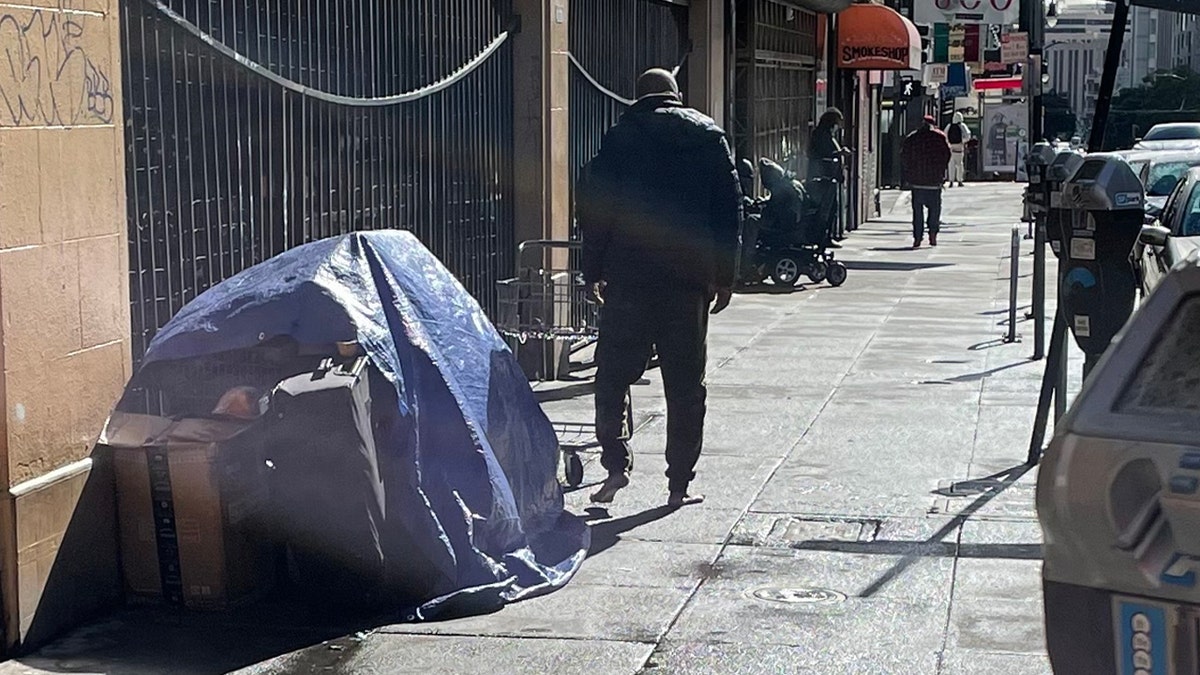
<point>64,317</point>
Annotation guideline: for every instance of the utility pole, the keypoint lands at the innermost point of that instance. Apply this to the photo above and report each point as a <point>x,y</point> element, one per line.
<point>1033,24</point>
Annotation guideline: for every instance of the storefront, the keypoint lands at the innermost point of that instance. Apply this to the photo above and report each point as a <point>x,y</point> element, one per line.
<point>871,39</point>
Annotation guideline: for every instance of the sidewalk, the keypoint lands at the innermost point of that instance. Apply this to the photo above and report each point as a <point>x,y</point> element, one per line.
<point>867,506</point>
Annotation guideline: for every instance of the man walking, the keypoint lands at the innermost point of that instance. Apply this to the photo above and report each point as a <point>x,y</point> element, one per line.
<point>924,158</point>
<point>959,135</point>
<point>659,210</point>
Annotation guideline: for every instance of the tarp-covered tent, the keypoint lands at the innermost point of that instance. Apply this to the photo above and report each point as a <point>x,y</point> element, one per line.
<point>480,496</point>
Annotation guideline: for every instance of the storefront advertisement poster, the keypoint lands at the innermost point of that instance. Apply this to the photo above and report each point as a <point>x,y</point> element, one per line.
<point>1004,129</point>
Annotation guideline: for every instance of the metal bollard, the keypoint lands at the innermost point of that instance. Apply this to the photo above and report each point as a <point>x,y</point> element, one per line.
<point>1014,271</point>
<point>1039,289</point>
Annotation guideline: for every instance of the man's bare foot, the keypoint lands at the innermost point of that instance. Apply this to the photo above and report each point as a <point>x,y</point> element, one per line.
<point>609,489</point>
<point>678,499</point>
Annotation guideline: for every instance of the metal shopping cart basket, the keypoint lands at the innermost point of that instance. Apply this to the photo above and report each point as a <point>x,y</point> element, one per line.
<point>547,303</point>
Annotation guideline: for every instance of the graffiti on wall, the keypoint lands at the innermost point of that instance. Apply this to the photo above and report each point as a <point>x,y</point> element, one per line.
<point>46,75</point>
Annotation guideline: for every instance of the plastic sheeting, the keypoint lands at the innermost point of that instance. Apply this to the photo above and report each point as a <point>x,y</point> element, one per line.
<point>482,501</point>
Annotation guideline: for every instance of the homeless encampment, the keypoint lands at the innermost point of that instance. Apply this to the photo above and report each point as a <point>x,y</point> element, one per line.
<point>414,465</point>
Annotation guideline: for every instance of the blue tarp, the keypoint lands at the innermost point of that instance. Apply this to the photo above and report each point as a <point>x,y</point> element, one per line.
<point>485,508</point>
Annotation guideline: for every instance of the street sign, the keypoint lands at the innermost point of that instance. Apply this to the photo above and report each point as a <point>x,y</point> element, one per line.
<point>937,73</point>
<point>1014,48</point>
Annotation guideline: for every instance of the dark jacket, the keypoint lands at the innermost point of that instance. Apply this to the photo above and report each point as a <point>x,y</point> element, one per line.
<point>660,205</point>
<point>924,157</point>
<point>824,154</point>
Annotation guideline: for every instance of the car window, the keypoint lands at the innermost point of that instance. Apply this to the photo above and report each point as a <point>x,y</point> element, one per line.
<point>1190,223</point>
<point>1173,133</point>
<point>1162,177</point>
<point>1172,206</point>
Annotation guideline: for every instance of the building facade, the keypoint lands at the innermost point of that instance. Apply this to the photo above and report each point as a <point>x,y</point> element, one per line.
<point>1074,57</point>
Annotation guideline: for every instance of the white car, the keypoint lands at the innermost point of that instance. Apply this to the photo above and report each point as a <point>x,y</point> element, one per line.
<point>1173,136</point>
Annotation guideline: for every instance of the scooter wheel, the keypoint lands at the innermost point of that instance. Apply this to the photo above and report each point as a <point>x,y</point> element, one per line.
<point>837,274</point>
<point>574,469</point>
<point>786,271</point>
<point>818,272</point>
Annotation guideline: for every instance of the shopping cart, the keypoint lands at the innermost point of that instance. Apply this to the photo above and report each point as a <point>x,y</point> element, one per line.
<point>547,302</point>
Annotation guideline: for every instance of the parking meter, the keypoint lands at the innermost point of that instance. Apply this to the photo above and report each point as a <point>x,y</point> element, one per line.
<point>1061,169</point>
<point>1037,163</point>
<point>1118,499</point>
<point>1097,284</point>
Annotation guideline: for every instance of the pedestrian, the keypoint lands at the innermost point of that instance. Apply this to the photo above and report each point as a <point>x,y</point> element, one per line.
<point>924,158</point>
<point>959,135</point>
<point>826,157</point>
<point>659,212</point>
<point>747,274</point>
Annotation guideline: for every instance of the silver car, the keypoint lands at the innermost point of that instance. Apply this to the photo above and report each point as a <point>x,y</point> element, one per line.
<point>1173,236</point>
<point>1172,136</point>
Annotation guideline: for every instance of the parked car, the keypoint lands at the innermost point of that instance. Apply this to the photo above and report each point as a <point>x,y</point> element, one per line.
<point>1173,136</point>
<point>1173,236</point>
<point>1161,173</point>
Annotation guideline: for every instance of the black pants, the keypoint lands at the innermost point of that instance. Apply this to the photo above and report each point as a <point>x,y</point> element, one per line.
<point>633,322</point>
<point>749,244</point>
<point>825,194</point>
<point>926,199</point>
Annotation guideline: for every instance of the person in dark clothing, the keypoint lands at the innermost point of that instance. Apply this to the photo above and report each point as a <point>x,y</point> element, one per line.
<point>782,214</point>
<point>745,170</point>
<point>826,157</point>
<point>659,210</point>
<point>924,158</point>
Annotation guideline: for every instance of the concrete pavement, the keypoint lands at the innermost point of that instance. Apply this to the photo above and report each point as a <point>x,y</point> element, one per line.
<point>867,509</point>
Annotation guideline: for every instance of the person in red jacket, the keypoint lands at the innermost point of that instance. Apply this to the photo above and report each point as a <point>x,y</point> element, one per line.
<point>924,158</point>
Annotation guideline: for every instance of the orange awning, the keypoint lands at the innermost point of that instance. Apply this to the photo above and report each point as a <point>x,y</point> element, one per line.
<point>875,37</point>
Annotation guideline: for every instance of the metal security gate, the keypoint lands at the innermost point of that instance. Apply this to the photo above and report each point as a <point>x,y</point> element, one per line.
<point>612,42</point>
<point>775,81</point>
<point>254,126</point>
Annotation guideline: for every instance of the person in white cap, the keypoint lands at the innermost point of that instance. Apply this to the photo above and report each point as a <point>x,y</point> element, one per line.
<point>659,209</point>
<point>959,135</point>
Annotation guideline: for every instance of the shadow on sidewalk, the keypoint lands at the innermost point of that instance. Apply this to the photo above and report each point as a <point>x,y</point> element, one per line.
<point>569,392</point>
<point>874,266</point>
<point>988,487</point>
<point>606,533</point>
<point>769,289</point>
<point>982,375</point>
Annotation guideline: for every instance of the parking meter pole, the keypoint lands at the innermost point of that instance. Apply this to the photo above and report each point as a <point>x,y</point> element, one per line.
<point>1053,389</point>
<point>1014,271</point>
<point>1039,290</point>
<point>1060,386</point>
<point>1089,362</point>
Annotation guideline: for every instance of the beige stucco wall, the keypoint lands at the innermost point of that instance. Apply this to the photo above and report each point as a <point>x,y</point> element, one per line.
<point>64,317</point>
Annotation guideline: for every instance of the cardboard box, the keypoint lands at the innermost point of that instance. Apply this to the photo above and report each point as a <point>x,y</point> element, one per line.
<point>191,495</point>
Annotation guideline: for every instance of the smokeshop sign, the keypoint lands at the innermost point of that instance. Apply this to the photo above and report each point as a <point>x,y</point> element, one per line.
<point>876,37</point>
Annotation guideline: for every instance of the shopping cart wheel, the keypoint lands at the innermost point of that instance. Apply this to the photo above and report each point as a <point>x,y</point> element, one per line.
<point>574,469</point>
<point>836,273</point>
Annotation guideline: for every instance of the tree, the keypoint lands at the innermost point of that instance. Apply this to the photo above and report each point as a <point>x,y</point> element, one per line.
<point>1163,97</point>
<point>1059,121</point>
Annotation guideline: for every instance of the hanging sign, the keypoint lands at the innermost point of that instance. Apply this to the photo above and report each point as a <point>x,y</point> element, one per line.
<point>937,73</point>
<point>1005,12</point>
<point>1014,48</point>
<point>941,43</point>
<point>958,39</point>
